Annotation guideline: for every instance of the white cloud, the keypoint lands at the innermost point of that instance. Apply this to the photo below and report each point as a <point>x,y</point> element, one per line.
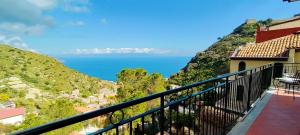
<point>76,9</point>
<point>77,6</point>
<point>15,41</point>
<point>103,21</point>
<point>77,23</point>
<point>31,16</point>
<point>44,4</point>
<point>20,11</point>
<point>98,51</point>
<point>21,28</point>
<point>23,17</point>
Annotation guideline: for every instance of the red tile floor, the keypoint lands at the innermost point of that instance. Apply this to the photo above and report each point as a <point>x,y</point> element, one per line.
<point>281,116</point>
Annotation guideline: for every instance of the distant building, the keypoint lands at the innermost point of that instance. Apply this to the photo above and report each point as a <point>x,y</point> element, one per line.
<point>82,109</point>
<point>250,21</point>
<point>7,104</point>
<point>88,130</point>
<point>92,99</point>
<point>12,115</point>
<point>75,94</point>
<point>173,86</point>
<point>279,42</point>
<point>105,93</point>
<point>92,105</point>
<point>277,29</point>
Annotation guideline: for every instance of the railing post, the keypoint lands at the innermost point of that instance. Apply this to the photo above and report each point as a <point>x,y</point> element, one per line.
<point>272,73</point>
<point>249,91</point>
<point>227,87</point>
<point>264,80</point>
<point>162,113</point>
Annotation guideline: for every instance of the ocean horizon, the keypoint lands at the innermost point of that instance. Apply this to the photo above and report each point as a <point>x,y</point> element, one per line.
<point>107,67</point>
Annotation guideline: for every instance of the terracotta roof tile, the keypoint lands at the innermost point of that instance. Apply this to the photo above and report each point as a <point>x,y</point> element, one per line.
<point>11,112</point>
<point>269,49</point>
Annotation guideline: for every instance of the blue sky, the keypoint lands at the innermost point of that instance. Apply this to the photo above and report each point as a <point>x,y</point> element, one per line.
<point>102,27</point>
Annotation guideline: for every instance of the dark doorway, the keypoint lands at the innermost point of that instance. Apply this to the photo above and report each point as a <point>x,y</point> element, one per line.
<point>278,70</point>
<point>242,66</point>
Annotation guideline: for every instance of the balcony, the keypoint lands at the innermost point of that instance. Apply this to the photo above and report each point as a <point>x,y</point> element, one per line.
<point>238,103</point>
<point>276,114</point>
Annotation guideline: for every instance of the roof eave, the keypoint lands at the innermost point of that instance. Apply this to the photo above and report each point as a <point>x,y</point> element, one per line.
<point>260,58</point>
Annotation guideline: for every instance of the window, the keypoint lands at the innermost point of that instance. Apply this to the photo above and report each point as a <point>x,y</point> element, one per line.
<point>240,93</point>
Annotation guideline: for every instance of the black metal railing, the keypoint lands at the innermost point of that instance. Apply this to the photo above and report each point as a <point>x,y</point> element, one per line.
<point>286,76</point>
<point>285,69</point>
<point>210,107</point>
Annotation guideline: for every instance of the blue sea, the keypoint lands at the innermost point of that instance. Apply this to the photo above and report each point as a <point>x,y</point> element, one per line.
<point>107,68</point>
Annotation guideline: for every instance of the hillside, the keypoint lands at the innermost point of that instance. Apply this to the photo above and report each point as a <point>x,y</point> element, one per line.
<point>45,72</point>
<point>215,60</point>
<point>40,83</point>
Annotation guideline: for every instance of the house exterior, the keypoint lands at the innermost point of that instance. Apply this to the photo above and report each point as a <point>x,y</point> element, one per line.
<point>105,93</point>
<point>11,116</point>
<point>7,104</point>
<point>279,42</point>
<point>75,94</point>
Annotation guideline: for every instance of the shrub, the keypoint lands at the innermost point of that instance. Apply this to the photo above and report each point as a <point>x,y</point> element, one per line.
<point>3,97</point>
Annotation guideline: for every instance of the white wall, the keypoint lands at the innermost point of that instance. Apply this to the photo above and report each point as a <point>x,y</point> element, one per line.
<point>12,120</point>
<point>292,24</point>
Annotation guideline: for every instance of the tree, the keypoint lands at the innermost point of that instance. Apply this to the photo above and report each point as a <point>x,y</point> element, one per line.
<point>60,108</point>
<point>137,83</point>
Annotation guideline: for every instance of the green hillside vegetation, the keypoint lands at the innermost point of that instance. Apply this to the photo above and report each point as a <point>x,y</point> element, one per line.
<point>43,86</point>
<point>49,111</point>
<point>45,73</point>
<point>215,60</point>
<point>133,84</point>
<point>137,83</point>
<point>40,84</point>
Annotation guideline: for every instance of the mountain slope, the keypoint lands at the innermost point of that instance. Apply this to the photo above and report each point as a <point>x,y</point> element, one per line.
<point>45,72</point>
<point>215,60</point>
<point>40,83</point>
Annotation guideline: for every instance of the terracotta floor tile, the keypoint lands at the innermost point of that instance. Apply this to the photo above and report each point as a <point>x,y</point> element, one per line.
<point>281,116</point>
